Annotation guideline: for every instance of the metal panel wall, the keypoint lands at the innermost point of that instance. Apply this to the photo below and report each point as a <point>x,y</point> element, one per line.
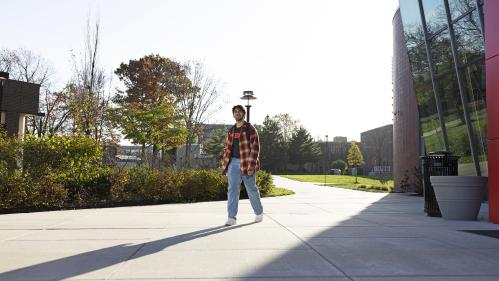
<point>20,97</point>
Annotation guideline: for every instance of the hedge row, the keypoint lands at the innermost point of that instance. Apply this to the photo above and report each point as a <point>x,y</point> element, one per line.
<point>68,172</point>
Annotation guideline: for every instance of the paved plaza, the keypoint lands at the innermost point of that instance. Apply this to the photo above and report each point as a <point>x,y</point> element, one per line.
<point>320,233</point>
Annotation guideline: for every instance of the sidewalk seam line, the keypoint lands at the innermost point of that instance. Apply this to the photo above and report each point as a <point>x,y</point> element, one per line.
<point>124,262</point>
<point>313,249</point>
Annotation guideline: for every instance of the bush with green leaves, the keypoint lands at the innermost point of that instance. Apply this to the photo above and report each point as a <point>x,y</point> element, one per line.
<point>156,186</point>
<point>74,155</point>
<point>339,164</point>
<point>174,185</point>
<point>118,192</point>
<point>74,161</point>
<point>47,192</point>
<point>10,152</point>
<point>67,171</point>
<point>204,185</point>
<point>19,190</point>
<point>14,191</point>
<point>264,181</point>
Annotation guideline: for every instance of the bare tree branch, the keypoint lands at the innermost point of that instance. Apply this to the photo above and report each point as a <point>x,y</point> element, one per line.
<point>87,88</point>
<point>197,107</point>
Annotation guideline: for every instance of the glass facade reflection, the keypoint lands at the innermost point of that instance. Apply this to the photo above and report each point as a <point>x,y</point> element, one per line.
<point>435,15</point>
<point>461,7</point>
<point>446,55</point>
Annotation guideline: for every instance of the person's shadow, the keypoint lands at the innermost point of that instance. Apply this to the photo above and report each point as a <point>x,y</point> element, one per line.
<point>94,260</point>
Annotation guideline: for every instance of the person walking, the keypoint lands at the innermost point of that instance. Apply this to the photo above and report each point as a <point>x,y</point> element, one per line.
<point>240,163</point>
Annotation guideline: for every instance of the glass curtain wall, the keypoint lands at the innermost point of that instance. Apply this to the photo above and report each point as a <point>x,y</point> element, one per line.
<point>442,82</point>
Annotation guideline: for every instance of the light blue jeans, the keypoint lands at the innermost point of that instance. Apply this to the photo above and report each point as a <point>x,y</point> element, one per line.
<point>234,178</point>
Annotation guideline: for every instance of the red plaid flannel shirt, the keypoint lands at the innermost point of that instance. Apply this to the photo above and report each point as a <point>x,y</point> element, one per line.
<point>250,151</point>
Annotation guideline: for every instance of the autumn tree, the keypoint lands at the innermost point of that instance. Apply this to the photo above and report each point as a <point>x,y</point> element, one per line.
<point>146,110</point>
<point>199,104</point>
<point>158,126</point>
<point>354,157</point>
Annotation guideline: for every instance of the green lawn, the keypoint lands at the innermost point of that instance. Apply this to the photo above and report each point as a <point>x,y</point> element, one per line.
<point>364,183</point>
<point>279,191</point>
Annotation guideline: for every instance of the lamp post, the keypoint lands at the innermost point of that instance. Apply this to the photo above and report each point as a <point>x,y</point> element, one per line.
<point>325,162</point>
<point>248,95</point>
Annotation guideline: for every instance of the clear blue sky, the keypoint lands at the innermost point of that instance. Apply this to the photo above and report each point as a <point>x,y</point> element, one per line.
<point>325,62</point>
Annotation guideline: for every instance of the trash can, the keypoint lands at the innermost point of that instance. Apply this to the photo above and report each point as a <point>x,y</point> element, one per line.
<point>437,163</point>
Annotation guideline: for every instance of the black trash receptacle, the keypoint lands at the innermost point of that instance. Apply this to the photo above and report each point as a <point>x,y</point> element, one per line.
<point>438,163</point>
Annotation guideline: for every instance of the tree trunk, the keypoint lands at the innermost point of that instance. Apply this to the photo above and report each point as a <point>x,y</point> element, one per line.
<point>187,155</point>
<point>154,156</point>
<point>143,152</point>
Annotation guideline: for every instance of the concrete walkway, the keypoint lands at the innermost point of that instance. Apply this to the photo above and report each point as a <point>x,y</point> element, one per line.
<point>321,233</point>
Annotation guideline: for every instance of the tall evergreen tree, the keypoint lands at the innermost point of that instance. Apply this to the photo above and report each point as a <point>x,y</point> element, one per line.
<point>302,148</point>
<point>214,145</point>
<point>273,154</point>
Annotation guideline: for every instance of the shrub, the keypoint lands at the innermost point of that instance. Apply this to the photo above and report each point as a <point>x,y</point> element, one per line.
<point>264,182</point>
<point>381,188</point>
<point>146,184</point>
<point>88,190</point>
<point>340,164</point>
<point>10,152</point>
<point>138,185</point>
<point>67,172</point>
<point>172,181</point>
<point>49,193</point>
<point>13,188</point>
<point>74,161</point>
<point>62,148</point>
<point>203,185</point>
<point>119,180</point>
<point>152,189</point>
<point>176,185</point>
<point>161,185</point>
<point>383,179</point>
<point>362,186</point>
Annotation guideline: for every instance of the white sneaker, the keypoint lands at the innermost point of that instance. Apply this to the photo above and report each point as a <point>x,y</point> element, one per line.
<point>259,218</point>
<point>230,221</point>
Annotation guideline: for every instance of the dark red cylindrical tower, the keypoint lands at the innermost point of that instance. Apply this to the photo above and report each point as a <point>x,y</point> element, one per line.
<point>491,22</point>
<point>405,114</point>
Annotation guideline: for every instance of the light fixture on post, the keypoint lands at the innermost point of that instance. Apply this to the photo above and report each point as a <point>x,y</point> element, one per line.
<point>248,95</point>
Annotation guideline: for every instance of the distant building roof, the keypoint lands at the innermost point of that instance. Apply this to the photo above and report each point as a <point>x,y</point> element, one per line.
<point>127,157</point>
<point>340,139</point>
